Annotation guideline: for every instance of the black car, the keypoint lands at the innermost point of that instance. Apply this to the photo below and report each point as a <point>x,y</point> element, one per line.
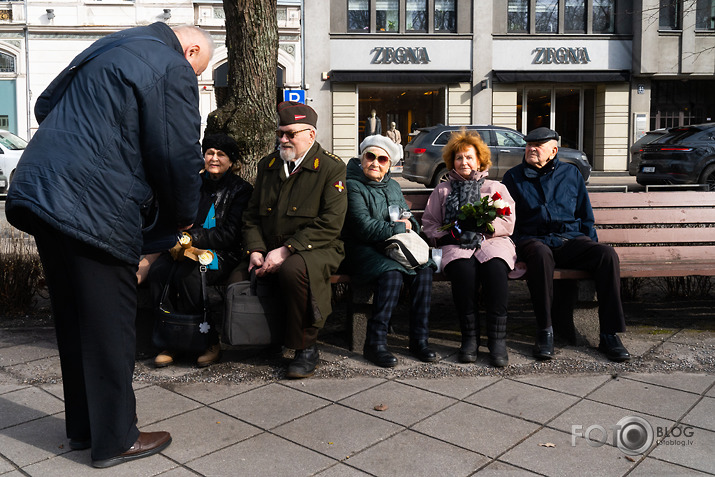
<point>637,148</point>
<point>423,155</point>
<point>684,155</point>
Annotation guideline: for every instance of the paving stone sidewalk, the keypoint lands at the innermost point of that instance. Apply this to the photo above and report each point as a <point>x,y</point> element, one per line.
<point>242,418</point>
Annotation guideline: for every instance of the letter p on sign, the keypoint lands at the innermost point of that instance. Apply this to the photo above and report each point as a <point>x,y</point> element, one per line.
<point>297,95</point>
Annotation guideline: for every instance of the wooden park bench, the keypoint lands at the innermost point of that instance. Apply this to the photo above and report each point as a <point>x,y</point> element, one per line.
<point>656,234</point>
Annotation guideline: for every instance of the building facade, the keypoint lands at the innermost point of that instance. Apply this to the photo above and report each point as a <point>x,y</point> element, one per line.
<point>601,72</point>
<point>38,39</point>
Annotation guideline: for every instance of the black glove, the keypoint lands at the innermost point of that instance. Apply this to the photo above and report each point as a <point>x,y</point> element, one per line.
<point>448,239</point>
<point>469,239</point>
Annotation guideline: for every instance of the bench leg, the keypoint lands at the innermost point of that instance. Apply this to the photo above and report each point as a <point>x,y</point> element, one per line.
<point>575,312</point>
<point>359,311</point>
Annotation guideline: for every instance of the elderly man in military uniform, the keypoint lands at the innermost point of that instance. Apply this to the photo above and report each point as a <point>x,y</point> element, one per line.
<point>292,226</point>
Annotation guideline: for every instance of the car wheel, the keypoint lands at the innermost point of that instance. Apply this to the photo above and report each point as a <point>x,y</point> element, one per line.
<point>439,177</point>
<point>708,177</point>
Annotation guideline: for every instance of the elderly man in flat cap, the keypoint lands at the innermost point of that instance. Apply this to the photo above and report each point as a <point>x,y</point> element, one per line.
<point>292,227</point>
<point>554,228</point>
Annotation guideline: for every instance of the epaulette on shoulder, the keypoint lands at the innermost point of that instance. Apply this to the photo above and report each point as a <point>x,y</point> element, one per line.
<point>333,156</point>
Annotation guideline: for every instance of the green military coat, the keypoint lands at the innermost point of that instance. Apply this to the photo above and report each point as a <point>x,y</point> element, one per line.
<point>304,212</point>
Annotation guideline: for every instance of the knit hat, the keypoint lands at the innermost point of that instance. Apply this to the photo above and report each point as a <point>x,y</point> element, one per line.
<point>223,143</point>
<point>292,112</point>
<point>392,149</point>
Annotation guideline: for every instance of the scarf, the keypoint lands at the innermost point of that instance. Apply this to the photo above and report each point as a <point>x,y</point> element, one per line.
<point>463,192</point>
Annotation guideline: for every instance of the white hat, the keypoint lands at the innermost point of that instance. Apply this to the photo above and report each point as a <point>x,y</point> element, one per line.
<point>391,148</point>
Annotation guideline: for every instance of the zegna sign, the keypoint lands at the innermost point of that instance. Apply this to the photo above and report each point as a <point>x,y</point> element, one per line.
<point>385,55</point>
<point>560,56</point>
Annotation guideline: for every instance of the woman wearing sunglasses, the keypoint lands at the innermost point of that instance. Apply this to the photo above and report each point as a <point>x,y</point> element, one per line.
<point>368,224</point>
<point>473,257</point>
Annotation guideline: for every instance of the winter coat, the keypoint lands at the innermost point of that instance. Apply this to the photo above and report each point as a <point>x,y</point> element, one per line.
<point>305,212</point>
<point>552,204</point>
<point>495,245</point>
<point>229,196</point>
<point>127,128</point>
<point>368,225</point>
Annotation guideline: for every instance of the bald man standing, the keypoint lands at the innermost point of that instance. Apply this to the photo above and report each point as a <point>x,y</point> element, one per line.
<point>119,127</point>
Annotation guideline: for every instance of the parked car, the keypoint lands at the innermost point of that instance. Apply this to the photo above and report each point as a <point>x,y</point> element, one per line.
<point>637,148</point>
<point>423,155</point>
<point>11,149</point>
<point>3,183</point>
<point>684,155</point>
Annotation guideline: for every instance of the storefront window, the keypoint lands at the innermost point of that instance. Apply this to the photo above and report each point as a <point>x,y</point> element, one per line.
<point>416,13</point>
<point>603,16</point>
<point>575,16</point>
<point>387,15</point>
<point>669,15</point>
<point>444,15</point>
<point>359,15</point>
<point>546,19</point>
<point>704,13</point>
<point>518,16</point>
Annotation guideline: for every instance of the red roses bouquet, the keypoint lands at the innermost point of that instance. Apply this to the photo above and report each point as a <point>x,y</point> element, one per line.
<point>480,215</point>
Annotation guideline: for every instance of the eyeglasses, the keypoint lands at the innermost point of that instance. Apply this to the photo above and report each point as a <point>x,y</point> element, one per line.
<point>381,159</point>
<point>289,134</point>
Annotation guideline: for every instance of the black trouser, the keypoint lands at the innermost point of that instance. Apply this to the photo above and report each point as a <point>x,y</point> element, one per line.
<point>94,303</point>
<point>385,298</point>
<point>466,274</point>
<point>580,253</point>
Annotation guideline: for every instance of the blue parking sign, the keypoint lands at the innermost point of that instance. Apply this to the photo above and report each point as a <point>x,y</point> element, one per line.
<point>297,95</point>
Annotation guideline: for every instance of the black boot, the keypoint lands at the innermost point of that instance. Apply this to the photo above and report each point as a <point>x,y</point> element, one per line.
<point>304,363</point>
<point>379,355</point>
<point>469,325</point>
<point>496,335</point>
<point>544,346</point>
<point>420,349</point>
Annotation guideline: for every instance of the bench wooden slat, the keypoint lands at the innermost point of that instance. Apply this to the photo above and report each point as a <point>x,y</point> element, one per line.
<point>657,235</point>
<point>677,269</point>
<point>654,216</point>
<point>665,257</point>
<point>652,199</point>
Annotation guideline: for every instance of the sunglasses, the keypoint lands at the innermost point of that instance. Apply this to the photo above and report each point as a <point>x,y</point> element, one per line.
<point>381,159</point>
<point>289,134</point>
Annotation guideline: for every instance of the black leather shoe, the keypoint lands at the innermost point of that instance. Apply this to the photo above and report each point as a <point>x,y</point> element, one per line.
<point>304,363</point>
<point>420,349</point>
<point>379,356</point>
<point>613,348</point>
<point>544,347</point>
<point>148,443</point>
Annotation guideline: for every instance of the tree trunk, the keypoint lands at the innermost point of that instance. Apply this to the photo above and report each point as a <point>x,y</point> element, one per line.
<point>249,115</point>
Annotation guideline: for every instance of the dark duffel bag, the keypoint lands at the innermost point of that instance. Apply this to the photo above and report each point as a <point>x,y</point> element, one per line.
<point>183,332</point>
<point>251,317</point>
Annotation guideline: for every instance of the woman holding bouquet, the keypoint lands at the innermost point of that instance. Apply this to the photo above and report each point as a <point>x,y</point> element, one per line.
<point>471,218</point>
<point>368,224</point>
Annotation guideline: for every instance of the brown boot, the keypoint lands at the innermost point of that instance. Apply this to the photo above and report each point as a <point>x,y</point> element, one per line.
<point>163,359</point>
<point>210,356</point>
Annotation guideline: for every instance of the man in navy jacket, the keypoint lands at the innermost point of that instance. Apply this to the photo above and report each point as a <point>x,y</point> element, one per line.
<point>554,228</point>
<point>119,127</point>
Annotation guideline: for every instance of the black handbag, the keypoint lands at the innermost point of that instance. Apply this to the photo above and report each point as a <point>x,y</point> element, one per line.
<point>252,316</point>
<point>183,332</point>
